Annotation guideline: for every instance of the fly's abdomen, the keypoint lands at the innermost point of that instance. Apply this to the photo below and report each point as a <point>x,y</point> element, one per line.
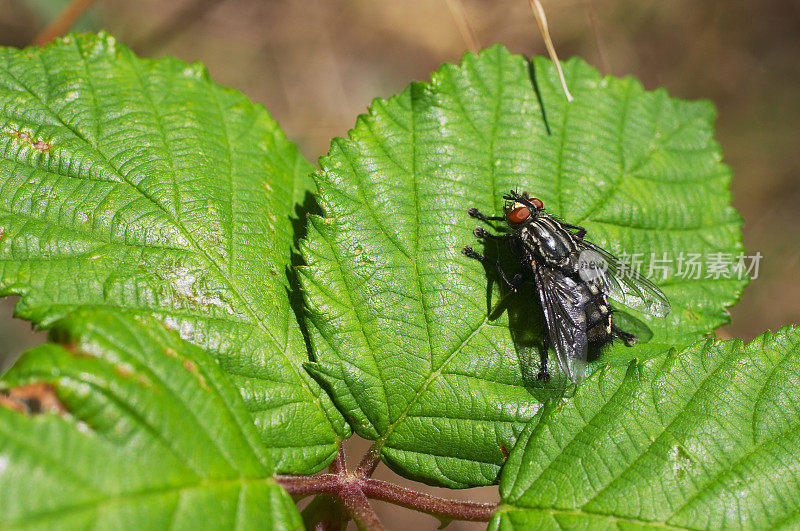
<point>598,314</point>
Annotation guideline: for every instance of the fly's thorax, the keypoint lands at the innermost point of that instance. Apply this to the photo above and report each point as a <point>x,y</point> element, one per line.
<point>553,244</point>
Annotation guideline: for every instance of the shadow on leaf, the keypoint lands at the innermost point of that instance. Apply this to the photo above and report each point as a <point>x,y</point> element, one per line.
<point>526,322</point>
<point>308,206</point>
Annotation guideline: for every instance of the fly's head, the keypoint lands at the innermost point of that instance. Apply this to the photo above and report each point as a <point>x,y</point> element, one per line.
<point>521,208</point>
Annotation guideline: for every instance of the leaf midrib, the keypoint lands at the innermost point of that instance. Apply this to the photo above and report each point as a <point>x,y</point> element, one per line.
<point>381,441</point>
<point>611,190</point>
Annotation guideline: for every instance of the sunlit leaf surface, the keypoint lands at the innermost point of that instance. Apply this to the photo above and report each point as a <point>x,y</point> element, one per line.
<point>142,185</point>
<point>420,349</point>
<point>151,435</point>
<point>703,438</point>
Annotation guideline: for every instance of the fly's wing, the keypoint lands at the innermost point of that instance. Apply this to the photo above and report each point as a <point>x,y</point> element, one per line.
<point>620,282</point>
<point>563,304</point>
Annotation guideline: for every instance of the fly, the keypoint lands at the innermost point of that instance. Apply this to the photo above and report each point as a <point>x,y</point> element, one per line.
<point>573,278</point>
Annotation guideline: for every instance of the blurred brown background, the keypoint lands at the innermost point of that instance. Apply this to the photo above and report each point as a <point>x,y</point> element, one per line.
<point>317,64</point>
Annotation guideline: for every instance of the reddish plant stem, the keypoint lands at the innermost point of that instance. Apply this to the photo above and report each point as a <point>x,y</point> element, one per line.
<point>359,508</point>
<point>345,487</point>
<point>308,485</point>
<point>433,505</point>
<point>370,462</point>
<point>339,464</point>
<point>353,491</point>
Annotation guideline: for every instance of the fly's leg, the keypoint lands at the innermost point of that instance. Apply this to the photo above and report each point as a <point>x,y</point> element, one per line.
<point>544,374</point>
<point>477,214</point>
<point>581,231</point>
<point>515,281</point>
<point>629,339</point>
<point>480,232</point>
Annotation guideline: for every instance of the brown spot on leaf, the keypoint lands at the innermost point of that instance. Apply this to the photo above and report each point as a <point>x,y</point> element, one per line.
<point>39,145</point>
<point>124,371</point>
<point>11,404</point>
<point>32,399</point>
<point>190,366</point>
<point>74,350</point>
<point>127,372</point>
<point>143,381</point>
<point>504,451</point>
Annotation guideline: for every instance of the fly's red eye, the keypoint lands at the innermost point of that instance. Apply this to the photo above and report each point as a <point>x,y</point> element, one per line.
<point>519,214</point>
<point>537,202</point>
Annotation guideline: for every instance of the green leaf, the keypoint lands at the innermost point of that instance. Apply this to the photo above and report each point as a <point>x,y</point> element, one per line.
<point>154,436</point>
<point>142,185</point>
<point>705,438</point>
<point>418,346</point>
